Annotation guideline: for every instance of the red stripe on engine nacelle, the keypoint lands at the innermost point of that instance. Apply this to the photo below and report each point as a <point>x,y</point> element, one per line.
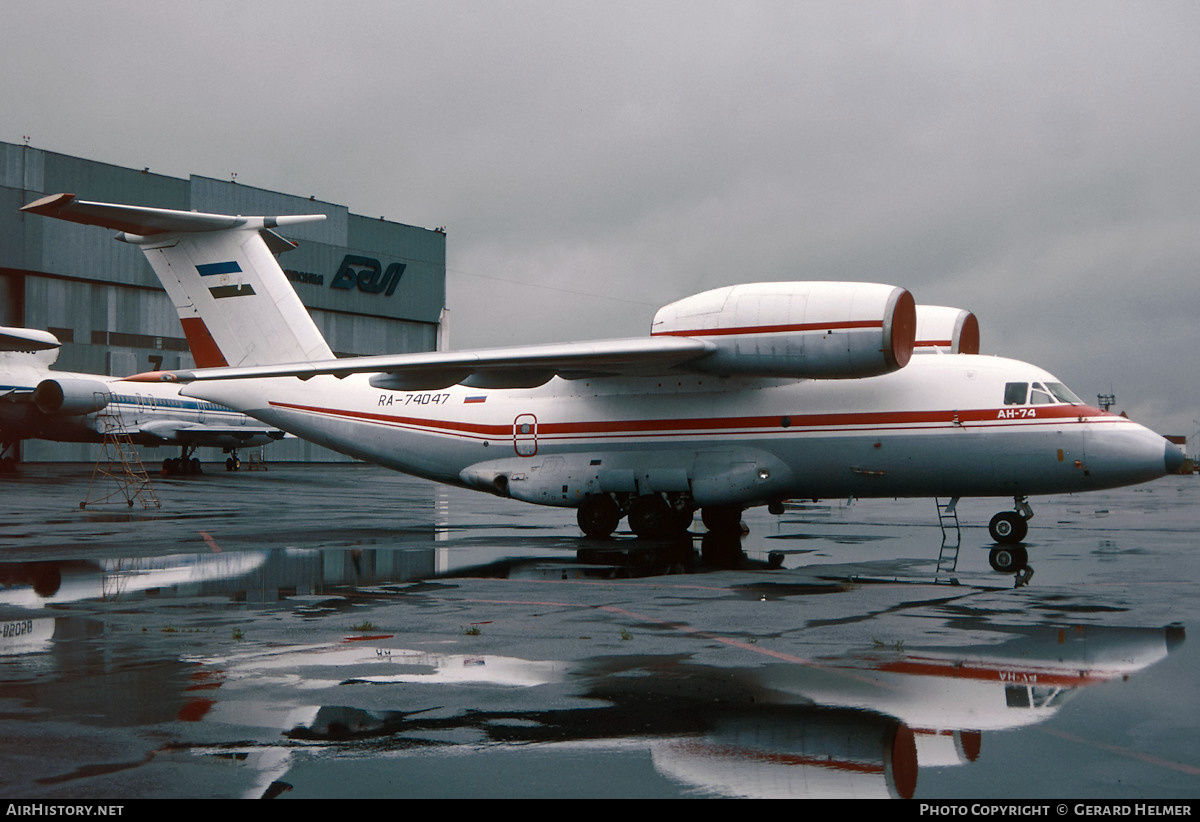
<point>769,329</point>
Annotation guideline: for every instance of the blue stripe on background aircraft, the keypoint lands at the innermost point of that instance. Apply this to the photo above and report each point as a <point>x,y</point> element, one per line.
<point>38,403</point>
<point>742,396</point>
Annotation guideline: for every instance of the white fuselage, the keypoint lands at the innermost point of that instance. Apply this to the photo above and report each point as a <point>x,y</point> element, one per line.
<point>938,427</point>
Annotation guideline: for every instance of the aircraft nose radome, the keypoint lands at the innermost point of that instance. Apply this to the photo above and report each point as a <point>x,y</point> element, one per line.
<point>1126,453</point>
<point>1174,458</point>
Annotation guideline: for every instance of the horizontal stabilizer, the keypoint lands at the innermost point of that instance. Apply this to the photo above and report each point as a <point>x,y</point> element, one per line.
<point>26,339</point>
<point>148,222</point>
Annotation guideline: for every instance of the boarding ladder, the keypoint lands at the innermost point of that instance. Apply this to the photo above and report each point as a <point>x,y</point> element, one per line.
<point>951,535</point>
<point>119,475</point>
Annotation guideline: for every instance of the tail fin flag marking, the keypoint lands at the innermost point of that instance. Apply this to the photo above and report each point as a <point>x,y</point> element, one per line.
<point>204,348</point>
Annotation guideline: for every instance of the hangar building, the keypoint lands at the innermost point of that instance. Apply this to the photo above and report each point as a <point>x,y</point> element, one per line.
<point>104,303</point>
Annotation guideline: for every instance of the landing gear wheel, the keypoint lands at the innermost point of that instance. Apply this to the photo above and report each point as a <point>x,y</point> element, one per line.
<point>598,516</point>
<point>681,519</point>
<point>1008,559</point>
<point>722,519</point>
<point>1008,527</point>
<point>650,516</point>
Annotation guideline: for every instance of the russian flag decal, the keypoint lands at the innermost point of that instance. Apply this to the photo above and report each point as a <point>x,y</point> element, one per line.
<point>479,398</point>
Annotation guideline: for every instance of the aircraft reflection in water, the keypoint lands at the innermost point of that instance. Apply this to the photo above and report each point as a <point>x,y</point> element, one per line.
<point>860,722</point>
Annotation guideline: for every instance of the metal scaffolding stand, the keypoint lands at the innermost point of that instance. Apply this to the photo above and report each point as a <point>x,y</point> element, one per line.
<point>119,475</point>
<point>258,461</point>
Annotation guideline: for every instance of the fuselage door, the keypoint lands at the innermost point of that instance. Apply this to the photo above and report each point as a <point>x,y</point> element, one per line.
<point>525,435</point>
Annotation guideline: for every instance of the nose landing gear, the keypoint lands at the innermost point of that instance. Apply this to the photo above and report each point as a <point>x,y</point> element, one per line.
<point>1008,529</point>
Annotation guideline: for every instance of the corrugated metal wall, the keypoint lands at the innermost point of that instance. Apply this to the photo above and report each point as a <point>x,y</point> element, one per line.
<point>101,298</point>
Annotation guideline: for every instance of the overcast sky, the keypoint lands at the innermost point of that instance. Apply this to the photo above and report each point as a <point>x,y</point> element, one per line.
<point>1035,162</point>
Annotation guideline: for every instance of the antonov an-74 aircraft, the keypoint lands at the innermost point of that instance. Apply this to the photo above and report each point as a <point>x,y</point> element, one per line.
<point>742,396</point>
<point>38,403</point>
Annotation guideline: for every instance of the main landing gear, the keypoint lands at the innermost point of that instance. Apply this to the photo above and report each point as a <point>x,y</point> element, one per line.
<point>651,516</point>
<point>185,463</point>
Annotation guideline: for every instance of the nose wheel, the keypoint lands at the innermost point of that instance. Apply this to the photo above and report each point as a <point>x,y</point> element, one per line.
<point>1008,527</point>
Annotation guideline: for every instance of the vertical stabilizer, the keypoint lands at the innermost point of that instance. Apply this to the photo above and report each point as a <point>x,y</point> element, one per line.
<point>236,305</point>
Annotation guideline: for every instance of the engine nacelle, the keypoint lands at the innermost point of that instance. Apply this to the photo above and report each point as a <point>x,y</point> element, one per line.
<point>951,330</point>
<point>819,330</point>
<point>70,397</point>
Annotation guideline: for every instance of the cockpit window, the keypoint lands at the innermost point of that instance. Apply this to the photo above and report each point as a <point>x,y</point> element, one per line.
<point>1063,394</point>
<point>1020,393</point>
<point>1038,395</point>
<point>1015,392</point>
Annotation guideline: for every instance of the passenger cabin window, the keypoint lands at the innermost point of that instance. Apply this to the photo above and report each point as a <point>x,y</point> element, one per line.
<point>1015,392</point>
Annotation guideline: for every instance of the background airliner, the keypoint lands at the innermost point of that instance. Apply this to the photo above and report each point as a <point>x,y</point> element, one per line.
<point>741,396</point>
<point>38,403</point>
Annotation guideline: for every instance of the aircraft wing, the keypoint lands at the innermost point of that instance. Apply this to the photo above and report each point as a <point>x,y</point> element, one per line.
<point>16,393</point>
<point>185,433</point>
<point>515,367</point>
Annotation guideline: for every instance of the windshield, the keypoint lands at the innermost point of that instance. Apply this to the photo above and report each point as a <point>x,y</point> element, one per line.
<point>1023,393</point>
<point>1063,394</point>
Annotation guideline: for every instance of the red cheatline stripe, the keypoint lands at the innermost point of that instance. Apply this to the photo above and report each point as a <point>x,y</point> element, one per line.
<point>768,329</point>
<point>1046,415</point>
<point>949,669</point>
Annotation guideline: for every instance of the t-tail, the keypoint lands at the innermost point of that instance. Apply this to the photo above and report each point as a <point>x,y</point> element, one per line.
<point>205,258</point>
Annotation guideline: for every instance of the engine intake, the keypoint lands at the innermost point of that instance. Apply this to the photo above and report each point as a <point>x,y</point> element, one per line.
<point>940,328</point>
<point>70,397</point>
